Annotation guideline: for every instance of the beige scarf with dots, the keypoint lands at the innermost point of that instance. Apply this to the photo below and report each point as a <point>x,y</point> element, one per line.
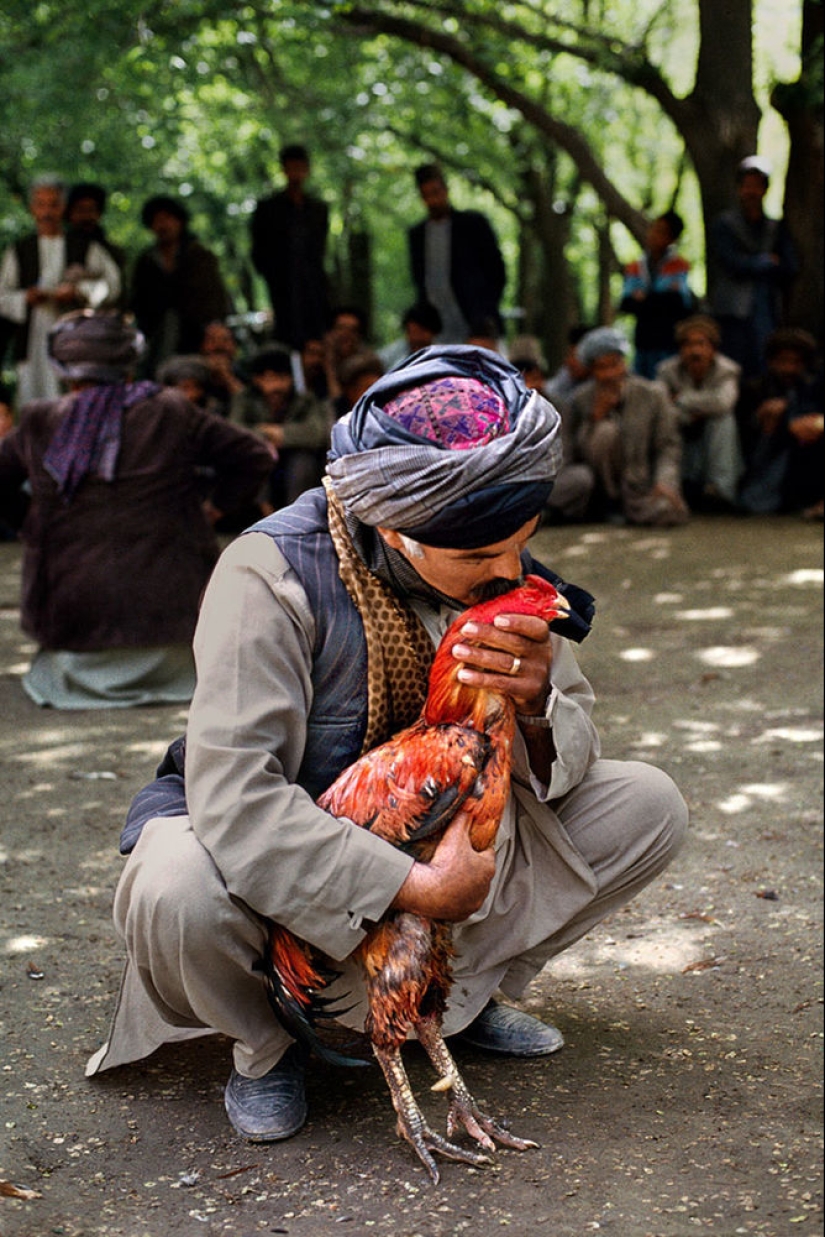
<point>399,651</point>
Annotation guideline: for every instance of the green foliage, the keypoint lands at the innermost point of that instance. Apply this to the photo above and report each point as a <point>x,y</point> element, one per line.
<point>195,98</point>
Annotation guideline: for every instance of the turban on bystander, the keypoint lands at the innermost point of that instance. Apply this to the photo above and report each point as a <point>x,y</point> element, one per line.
<point>450,448</point>
<point>98,349</point>
<point>89,346</point>
<point>601,341</point>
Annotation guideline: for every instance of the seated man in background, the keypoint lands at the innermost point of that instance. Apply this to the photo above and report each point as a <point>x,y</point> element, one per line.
<point>219,350</point>
<point>421,325</point>
<point>626,429</point>
<point>781,425</point>
<point>296,427</point>
<point>704,386</point>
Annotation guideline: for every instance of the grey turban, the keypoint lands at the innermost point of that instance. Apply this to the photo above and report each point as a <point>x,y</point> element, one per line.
<point>450,448</point>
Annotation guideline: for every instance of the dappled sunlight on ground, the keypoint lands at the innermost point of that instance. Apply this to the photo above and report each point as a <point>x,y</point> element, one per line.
<point>25,944</point>
<point>732,656</point>
<point>661,946</point>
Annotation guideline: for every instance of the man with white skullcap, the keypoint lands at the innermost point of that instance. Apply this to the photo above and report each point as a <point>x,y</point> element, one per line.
<point>313,633</point>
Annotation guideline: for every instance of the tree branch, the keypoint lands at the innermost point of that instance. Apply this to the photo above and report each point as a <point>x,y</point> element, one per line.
<point>563,135</point>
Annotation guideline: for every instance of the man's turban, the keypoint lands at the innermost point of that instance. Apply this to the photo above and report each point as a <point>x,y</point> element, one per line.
<point>449,448</point>
<point>89,346</point>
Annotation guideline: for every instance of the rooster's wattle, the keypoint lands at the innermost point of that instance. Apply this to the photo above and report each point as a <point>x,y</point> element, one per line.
<point>456,757</point>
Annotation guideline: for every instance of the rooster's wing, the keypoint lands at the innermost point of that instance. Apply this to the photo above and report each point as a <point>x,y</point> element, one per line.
<point>408,789</point>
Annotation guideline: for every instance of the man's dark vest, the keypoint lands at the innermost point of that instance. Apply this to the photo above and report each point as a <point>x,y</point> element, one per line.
<point>28,265</point>
<point>338,715</point>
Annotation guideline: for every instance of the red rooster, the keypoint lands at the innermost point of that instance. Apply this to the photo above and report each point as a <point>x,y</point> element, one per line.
<point>456,757</point>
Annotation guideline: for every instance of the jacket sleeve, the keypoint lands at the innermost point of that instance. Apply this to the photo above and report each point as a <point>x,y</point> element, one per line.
<point>239,459</point>
<point>716,399</point>
<point>276,851</point>
<point>569,708</point>
<point>490,258</point>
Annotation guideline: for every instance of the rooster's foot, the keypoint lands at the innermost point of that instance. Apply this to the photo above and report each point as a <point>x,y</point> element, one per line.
<point>464,1113</point>
<point>414,1129</point>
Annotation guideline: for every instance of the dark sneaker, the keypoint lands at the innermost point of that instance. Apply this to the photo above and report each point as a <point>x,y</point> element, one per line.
<point>500,1028</point>
<point>272,1107</point>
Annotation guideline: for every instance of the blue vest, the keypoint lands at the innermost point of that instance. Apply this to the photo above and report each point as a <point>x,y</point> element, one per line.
<point>337,718</point>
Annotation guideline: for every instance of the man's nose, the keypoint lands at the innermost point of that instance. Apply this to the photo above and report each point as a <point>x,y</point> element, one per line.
<point>506,565</point>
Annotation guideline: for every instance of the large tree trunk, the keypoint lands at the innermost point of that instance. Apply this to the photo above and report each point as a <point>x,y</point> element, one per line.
<point>544,285</point>
<point>800,103</point>
<point>719,120</point>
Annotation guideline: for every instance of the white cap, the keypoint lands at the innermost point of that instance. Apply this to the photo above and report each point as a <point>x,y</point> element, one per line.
<point>755,163</point>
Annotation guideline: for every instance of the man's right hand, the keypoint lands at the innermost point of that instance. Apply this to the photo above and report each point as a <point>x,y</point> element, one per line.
<point>455,881</point>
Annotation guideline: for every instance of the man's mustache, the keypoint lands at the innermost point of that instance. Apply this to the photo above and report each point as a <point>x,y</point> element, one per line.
<point>496,588</point>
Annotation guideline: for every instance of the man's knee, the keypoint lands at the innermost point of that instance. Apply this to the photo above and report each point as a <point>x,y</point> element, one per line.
<point>661,805</point>
<point>169,882</point>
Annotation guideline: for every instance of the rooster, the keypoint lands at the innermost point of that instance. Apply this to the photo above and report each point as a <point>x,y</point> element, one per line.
<point>456,757</point>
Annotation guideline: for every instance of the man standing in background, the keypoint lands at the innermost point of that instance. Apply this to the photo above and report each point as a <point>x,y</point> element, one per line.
<point>289,235</point>
<point>455,260</point>
<point>43,276</point>
<point>752,263</point>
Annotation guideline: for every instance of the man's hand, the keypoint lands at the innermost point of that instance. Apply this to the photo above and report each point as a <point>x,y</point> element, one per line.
<point>455,881</point>
<point>769,413</point>
<point>807,429</point>
<point>519,642</point>
<point>606,397</point>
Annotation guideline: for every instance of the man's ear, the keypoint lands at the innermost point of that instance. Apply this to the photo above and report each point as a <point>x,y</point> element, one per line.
<point>393,539</point>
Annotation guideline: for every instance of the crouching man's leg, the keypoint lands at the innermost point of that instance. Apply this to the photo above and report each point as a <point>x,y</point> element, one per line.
<point>573,864</point>
<point>193,955</point>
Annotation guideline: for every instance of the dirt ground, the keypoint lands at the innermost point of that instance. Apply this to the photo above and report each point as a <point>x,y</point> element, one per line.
<point>687,1099</point>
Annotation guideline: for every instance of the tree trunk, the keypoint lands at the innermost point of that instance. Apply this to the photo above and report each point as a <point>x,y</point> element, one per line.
<point>720,118</point>
<point>800,104</point>
<point>545,289</point>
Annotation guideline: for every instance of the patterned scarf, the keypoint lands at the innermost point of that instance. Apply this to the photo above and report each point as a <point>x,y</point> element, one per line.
<point>399,651</point>
<point>87,440</point>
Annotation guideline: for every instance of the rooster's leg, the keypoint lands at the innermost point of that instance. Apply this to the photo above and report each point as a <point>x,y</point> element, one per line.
<point>463,1111</point>
<point>411,1123</point>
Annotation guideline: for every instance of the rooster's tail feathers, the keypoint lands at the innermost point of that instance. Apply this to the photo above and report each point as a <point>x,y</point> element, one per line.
<point>295,980</point>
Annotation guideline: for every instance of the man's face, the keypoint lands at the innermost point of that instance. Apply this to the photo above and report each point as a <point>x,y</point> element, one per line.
<point>46,208</point>
<point>296,171</point>
<point>166,226</point>
<point>787,365</point>
<point>312,356</point>
<point>436,198</point>
<point>658,237</point>
<point>84,215</point>
<point>469,576</point>
<point>218,340</point>
<point>273,384</point>
<point>609,368</point>
<point>751,190</point>
<point>418,336</point>
<point>697,353</point>
<point>346,333</point>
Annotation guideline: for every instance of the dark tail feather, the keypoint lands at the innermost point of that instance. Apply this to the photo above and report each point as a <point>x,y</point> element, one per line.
<point>298,1004</point>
